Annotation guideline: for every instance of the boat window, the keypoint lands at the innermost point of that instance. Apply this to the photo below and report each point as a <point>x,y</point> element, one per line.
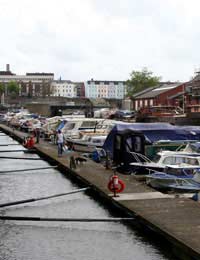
<point>156,158</point>
<point>129,146</point>
<point>118,142</point>
<point>169,160</point>
<point>192,161</point>
<point>88,124</point>
<point>138,144</point>
<point>69,126</point>
<point>99,126</point>
<point>96,141</point>
<point>179,160</point>
<point>102,126</point>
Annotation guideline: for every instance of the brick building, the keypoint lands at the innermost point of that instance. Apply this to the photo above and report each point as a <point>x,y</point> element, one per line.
<point>192,91</point>
<point>30,84</point>
<point>166,94</point>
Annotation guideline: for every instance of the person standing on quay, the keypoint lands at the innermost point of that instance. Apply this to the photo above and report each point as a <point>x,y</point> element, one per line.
<point>60,142</point>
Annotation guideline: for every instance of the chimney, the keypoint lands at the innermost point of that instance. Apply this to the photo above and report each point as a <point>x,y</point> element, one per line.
<point>7,67</point>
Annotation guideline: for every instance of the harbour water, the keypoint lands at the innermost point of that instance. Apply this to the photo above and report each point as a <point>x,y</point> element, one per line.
<point>59,240</point>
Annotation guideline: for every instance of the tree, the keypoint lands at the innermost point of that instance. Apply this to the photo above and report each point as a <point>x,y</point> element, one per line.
<point>140,80</point>
<point>2,89</point>
<point>13,88</point>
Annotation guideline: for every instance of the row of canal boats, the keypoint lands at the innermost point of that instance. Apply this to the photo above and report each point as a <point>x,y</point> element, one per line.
<point>172,170</point>
<point>132,147</point>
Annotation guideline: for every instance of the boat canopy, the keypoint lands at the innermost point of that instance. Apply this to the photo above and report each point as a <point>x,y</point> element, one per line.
<point>154,132</point>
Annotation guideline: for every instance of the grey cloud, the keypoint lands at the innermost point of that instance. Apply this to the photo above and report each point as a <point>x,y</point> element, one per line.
<point>100,38</point>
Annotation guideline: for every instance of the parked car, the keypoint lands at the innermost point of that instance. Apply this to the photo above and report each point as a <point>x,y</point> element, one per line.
<point>124,114</point>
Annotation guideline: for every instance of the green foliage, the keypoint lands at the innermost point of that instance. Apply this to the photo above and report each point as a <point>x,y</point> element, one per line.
<point>140,80</point>
<point>13,88</point>
<point>2,88</point>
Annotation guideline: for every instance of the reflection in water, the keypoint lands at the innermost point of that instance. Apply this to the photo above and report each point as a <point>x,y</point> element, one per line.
<point>54,240</point>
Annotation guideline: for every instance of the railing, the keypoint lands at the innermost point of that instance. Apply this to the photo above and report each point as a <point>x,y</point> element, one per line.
<point>140,157</point>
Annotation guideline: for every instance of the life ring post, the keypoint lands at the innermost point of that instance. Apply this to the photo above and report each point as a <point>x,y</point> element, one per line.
<point>116,185</point>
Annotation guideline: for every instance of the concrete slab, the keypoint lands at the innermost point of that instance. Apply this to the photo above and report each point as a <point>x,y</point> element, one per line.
<point>149,196</point>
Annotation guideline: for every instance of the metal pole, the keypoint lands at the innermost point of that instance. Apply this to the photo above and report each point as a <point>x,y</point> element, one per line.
<point>18,218</point>
<point>20,158</point>
<point>30,169</point>
<point>10,151</point>
<point>41,198</point>
<point>8,144</point>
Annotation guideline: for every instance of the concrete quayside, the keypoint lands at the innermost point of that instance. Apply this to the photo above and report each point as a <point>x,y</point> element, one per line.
<point>174,218</point>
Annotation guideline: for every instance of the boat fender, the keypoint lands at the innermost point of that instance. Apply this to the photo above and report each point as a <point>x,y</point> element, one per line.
<point>72,163</point>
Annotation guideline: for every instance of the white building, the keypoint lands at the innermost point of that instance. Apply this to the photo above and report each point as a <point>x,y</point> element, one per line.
<point>63,88</point>
<point>105,89</point>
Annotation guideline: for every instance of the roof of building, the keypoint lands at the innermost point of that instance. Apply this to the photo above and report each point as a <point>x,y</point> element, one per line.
<point>39,74</point>
<point>153,92</point>
<point>143,91</point>
<point>6,73</point>
<point>62,81</point>
<point>106,82</point>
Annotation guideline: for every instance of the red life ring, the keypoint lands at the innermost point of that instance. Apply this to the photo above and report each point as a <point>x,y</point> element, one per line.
<point>119,188</point>
<point>31,142</point>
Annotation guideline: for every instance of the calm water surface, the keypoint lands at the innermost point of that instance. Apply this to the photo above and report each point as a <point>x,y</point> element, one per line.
<point>53,240</point>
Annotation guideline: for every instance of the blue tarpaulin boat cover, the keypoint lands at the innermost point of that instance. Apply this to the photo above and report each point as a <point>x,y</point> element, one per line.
<point>155,132</point>
<point>61,125</point>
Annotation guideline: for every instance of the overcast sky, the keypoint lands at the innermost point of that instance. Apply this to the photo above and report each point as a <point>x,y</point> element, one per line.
<point>101,39</point>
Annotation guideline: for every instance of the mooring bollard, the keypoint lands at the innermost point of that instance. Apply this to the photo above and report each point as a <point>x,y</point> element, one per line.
<point>72,164</point>
<point>108,160</point>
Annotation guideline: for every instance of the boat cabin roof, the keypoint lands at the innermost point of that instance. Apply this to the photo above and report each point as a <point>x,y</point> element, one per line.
<point>179,154</point>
